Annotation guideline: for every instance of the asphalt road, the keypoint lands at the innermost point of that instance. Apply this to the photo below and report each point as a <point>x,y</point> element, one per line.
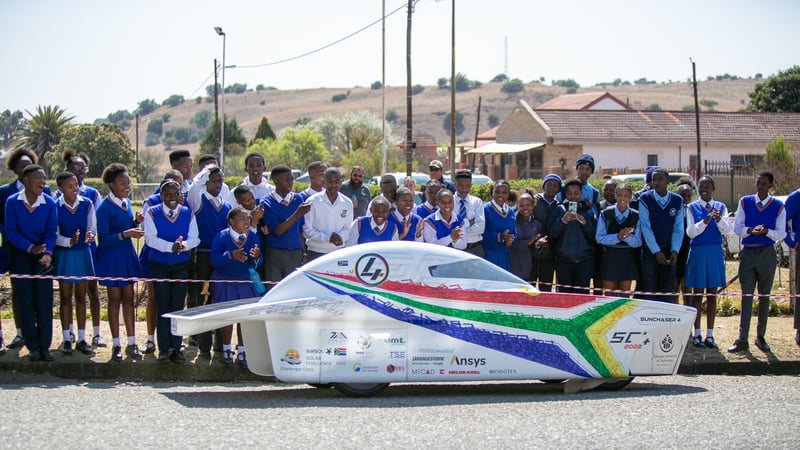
<point>667,412</point>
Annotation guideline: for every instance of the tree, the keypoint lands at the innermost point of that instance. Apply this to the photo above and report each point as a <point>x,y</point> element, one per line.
<point>119,116</point>
<point>202,118</point>
<point>459,122</point>
<point>513,86</point>
<point>352,132</point>
<point>156,126</point>
<point>499,78</point>
<point>780,162</point>
<point>235,142</point>
<point>493,120</point>
<point>264,131</point>
<point>653,107</point>
<point>173,100</point>
<point>210,89</point>
<point>149,160</point>
<point>779,93</point>
<point>44,129</point>
<point>294,147</point>
<point>463,83</point>
<point>568,83</point>
<point>391,115</point>
<point>376,85</point>
<point>443,83</point>
<point>417,89</point>
<point>104,143</point>
<point>147,106</point>
<point>9,123</point>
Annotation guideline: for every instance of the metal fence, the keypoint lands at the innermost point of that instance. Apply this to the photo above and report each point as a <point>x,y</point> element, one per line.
<point>731,181</point>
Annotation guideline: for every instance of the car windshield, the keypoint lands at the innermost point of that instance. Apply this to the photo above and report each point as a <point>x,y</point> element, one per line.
<point>475,269</point>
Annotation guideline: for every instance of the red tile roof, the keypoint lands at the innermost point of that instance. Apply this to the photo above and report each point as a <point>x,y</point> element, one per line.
<point>582,101</point>
<point>573,127</point>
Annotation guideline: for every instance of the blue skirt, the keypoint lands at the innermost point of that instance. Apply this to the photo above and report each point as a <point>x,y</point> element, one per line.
<point>119,261</point>
<point>225,292</point>
<point>73,263</point>
<point>706,267</point>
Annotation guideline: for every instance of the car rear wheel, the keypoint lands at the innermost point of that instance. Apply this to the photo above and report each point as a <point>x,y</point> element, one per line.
<point>614,385</point>
<point>360,389</point>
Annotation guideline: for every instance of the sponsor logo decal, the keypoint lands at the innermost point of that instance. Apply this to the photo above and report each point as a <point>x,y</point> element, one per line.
<point>502,371</point>
<point>472,362</point>
<point>667,344</point>
<point>447,351</point>
<point>396,355</point>
<point>292,357</point>
<point>342,263</point>
<point>340,351</point>
<point>364,342</point>
<point>372,269</point>
<point>657,319</point>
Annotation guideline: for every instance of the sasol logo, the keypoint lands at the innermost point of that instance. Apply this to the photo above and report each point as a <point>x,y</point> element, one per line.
<point>472,362</point>
<point>372,269</point>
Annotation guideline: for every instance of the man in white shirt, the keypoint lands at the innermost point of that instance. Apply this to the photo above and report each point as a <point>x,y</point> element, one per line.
<point>327,226</point>
<point>470,208</point>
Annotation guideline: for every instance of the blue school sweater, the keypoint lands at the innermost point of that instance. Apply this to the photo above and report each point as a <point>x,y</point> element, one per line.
<point>767,215</point>
<point>662,219</point>
<point>412,231</point>
<point>711,235</point>
<point>210,221</point>
<point>78,219</point>
<point>275,213</point>
<point>169,230</point>
<point>367,234</point>
<point>27,228</point>
<point>225,267</point>
<point>442,228</point>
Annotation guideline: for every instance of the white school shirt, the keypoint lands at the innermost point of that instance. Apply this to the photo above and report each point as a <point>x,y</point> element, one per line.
<point>259,190</point>
<point>474,205</point>
<point>326,218</point>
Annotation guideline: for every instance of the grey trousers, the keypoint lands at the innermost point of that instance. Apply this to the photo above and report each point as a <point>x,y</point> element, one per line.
<point>756,267</point>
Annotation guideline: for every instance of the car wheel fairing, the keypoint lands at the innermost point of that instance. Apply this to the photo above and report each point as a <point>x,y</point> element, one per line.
<point>614,385</point>
<point>360,389</point>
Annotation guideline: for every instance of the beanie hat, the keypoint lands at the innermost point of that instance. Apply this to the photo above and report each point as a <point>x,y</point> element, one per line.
<point>648,176</point>
<point>585,159</point>
<point>553,177</point>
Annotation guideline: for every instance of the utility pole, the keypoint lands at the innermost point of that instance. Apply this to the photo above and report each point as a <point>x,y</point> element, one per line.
<point>409,127</point>
<point>452,153</point>
<point>216,107</point>
<point>696,119</point>
<point>383,89</point>
<point>137,149</point>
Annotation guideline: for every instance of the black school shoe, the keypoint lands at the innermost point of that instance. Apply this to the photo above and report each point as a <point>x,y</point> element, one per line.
<point>738,346</point>
<point>133,352</point>
<point>116,353</point>
<point>66,348</point>
<point>84,348</point>
<point>697,341</point>
<point>762,345</point>
<point>709,342</point>
<point>46,355</point>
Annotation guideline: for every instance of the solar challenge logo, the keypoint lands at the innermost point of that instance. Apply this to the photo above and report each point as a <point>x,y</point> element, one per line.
<point>372,269</point>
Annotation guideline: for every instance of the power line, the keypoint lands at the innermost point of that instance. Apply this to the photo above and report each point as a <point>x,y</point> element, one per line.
<point>253,66</point>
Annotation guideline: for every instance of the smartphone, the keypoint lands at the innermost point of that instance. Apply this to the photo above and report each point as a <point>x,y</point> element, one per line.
<point>573,207</point>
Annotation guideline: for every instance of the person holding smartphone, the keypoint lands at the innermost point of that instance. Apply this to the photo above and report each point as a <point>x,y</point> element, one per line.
<point>573,228</point>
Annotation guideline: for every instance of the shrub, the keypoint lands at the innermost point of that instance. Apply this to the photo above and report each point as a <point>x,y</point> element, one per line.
<point>513,86</point>
<point>338,97</point>
<point>416,89</point>
<point>376,85</point>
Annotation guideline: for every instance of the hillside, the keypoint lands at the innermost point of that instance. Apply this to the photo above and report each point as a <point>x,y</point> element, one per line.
<point>284,108</point>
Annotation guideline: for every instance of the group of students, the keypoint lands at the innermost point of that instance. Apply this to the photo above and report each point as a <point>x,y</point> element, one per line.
<point>197,230</point>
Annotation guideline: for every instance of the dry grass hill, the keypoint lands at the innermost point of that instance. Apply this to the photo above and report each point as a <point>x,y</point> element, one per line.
<point>284,108</point>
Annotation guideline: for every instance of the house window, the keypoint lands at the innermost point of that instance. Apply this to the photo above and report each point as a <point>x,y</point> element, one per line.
<point>652,160</point>
<point>742,161</point>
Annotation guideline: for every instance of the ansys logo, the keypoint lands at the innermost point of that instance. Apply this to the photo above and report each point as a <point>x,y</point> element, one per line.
<point>372,269</point>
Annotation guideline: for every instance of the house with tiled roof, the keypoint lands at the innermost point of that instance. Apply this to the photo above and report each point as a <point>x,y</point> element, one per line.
<point>585,101</point>
<point>536,142</point>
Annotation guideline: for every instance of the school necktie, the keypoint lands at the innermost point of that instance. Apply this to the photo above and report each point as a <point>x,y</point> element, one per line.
<point>171,214</point>
<point>760,204</point>
<point>462,211</point>
<point>241,239</point>
<point>376,229</point>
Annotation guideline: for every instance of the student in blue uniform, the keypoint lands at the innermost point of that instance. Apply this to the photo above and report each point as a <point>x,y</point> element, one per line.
<point>31,223</point>
<point>375,227</point>
<point>545,206</point>
<point>144,264</point>
<point>661,217</point>
<point>500,231</point>
<point>234,253</point>
<point>17,161</point>
<point>409,225</point>
<point>77,226</point>
<point>116,256</point>
<point>528,230</point>
<point>760,221</point>
<point>445,227</point>
<point>207,200</point>
<point>78,164</point>
<point>705,269</point>
<point>284,216</point>
<point>573,228</point>
<point>428,207</point>
<point>620,237</point>
<point>170,230</point>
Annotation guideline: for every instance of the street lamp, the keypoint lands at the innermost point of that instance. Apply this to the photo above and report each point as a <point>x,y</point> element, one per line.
<point>222,123</point>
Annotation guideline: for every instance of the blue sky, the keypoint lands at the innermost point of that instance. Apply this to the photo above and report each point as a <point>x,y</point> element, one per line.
<point>94,57</point>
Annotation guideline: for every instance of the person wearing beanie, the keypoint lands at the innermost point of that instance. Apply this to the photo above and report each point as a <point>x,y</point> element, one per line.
<point>543,255</point>
<point>648,177</point>
<point>584,166</point>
